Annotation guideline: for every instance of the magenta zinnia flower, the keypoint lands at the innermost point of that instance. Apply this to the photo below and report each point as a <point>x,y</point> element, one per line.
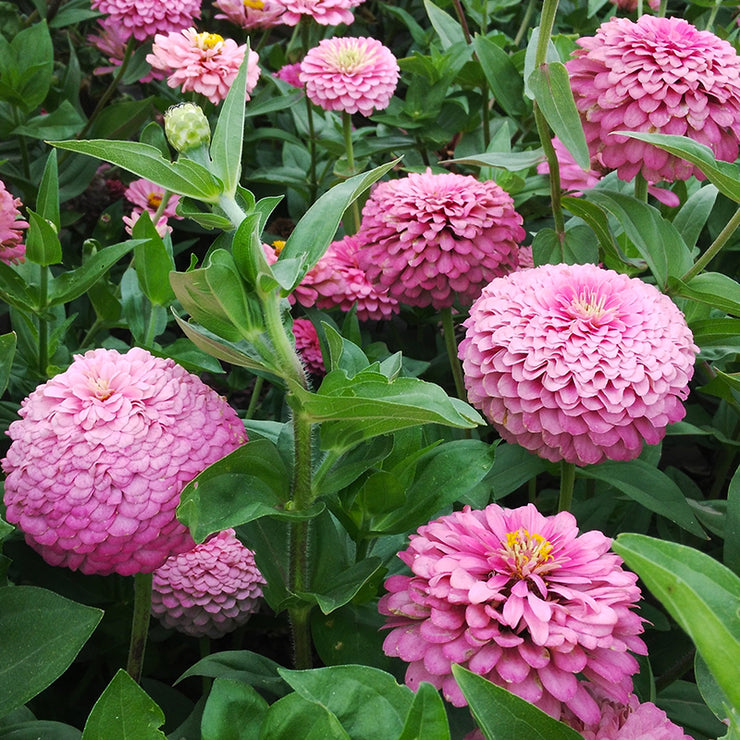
<point>251,13</point>
<point>356,75</point>
<point>290,73</point>
<point>518,598</point>
<point>429,238</point>
<point>658,75</point>
<point>210,590</point>
<point>142,19</point>
<point>324,12</point>
<point>205,63</point>
<point>101,454</point>
<point>577,363</point>
<point>307,346</point>
<point>12,248</point>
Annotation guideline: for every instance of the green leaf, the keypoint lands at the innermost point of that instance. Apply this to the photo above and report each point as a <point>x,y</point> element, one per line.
<point>427,718</point>
<point>578,247</point>
<point>183,177</point>
<point>692,217</point>
<point>699,593</point>
<point>710,691</point>
<point>7,352</point>
<point>249,483</point>
<point>47,201</point>
<point>362,699</point>
<point>39,729</point>
<point>14,290</point>
<point>731,554</point>
<point>40,635</point>
<point>511,161</point>
<point>153,262</point>
<point>503,77</point>
<point>725,175</point>
<point>233,711</point>
<point>712,288</point>
<point>63,122</point>
<point>249,256</point>
<point>124,711</point>
<point>27,67</point>
<point>315,231</point>
<point>42,241</point>
<point>550,86</point>
<point>512,468</point>
<point>504,716</point>
<point>345,585</point>
<point>294,717</point>
<point>650,487</point>
<point>448,30</point>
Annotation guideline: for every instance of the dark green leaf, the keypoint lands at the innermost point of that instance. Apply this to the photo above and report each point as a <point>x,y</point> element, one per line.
<point>715,698</point>
<point>47,201</point>
<point>731,555</point>
<point>345,585</point>
<point>14,290</point>
<point>503,77</point>
<point>427,718</point>
<point>233,711</point>
<point>712,288</point>
<point>448,29</point>
<point>39,729</point>
<point>63,122</point>
<point>153,262</point>
<point>512,161</point>
<point>42,241</point>
<point>295,717</point>
<point>692,217</point>
<point>7,352</point>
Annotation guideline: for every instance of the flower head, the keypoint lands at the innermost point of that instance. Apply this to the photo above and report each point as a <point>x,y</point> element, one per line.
<point>111,41</point>
<point>308,347</point>
<point>577,363</point>
<point>142,19</point>
<point>521,599</point>
<point>429,238</point>
<point>210,590</point>
<point>205,63</point>
<point>251,13</point>
<point>356,75</point>
<point>290,73</point>
<point>658,75</point>
<point>12,249</point>
<point>186,127</point>
<point>324,12</point>
<point>148,196</point>
<point>101,454</point>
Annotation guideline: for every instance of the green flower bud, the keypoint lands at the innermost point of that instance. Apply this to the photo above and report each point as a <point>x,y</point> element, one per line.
<point>186,127</point>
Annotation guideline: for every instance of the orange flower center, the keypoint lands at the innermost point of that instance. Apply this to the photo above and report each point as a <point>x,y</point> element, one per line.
<point>154,200</point>
<point>254,4</point>
<point>278,245</point>
<point>207,40</point>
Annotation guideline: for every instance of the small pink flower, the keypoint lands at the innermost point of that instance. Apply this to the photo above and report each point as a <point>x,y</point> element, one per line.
<point>355,75</point>
<point>324,12</point>
<point>205,63</point>
<point>148,196</point>
<point>577,363</point>
<point>431,239</point>
<point>12,248</point>
<point>658,75</point>
<point>142,19</point>
<point>308,347</point>
<point>251,13</point>
<point>101,454</point>
<point>111,42</point>
<point>290,73</point>
<point>210,590</point>
<point>162,226</point>
<point>521,599</point>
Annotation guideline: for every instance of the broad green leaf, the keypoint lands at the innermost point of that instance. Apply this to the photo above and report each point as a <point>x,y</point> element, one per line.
<point>350,466</point>
<point>153,262</point>
<point>61,123</point>
<point>40,635</point>
<point>550,86</point>
<point>692,217</point>
<point>39,729</point>
<point>512,468</point>
<point>124,711</point>
<point>699,593</point>
<point>710,690</point>
<point>249,483</point>
<point>578,247</point>
<point>249,255</point>
<point>650,487</point>
<point>725,175</point>
<point>511,161</point>
<point>14,290</point>
<point>42,241</point>
<point>448,30</point>
<point>597,219</point>
<point>427,718</point>
<point>27,67</point>
<point>361,698</point>
<point>502,76</point>
<point>7,352</point>
<point>345,585</point>
<point>315,231</point>
<point>295,717</point>
<point>343,354</point>
<point>233,711</point>
<point>683,703</point>
<point>731,554</point>
<point>712,288</point>
<point>183,177</point>
<point>503,716</point>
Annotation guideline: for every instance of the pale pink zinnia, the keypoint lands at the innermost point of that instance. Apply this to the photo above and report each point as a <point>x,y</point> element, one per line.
<point>324,12</point>
<point>355,75</point>
<point>149,196</point>
<point>142,19</point>
<point>429,239</point>
<point>308,347</point>
<point>12,248</point>
<point>290,73</point>
<point>521,599</point>
<point>210,590</point>
<point>101,454</point>
<point>658,75</point>
<point>250,13</point>
<point>577,363</point>
<point>204,63</point>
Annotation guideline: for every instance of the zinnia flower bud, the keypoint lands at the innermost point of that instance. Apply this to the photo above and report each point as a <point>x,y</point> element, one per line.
<point>210,590</point>
<point>186,127</point>
<point>101,454</point>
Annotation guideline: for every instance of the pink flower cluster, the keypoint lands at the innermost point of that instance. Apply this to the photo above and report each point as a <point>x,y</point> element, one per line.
<point>142,19</point>
<point>210,590</point>
<point>148,196</point>
<point>657,75</point>
<point>577,363</point>
<point>308,347</point>
<point>521,599</point>
<point>12,248</point>
<point>324,12</point>
<point>101,454</point>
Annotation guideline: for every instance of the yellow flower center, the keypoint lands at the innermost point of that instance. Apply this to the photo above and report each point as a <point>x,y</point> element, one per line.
<point>278,245</point>
<point>154,200</point>
<point>207,40</point>
<point>527,552</point>
<point>254,4</point>
<point>348,60</point>
<point>100,388</point>
<point>588,304</point>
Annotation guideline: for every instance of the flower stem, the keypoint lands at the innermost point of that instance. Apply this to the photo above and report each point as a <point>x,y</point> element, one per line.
<point>462,19</point>
<point>255,398</point>
<point>347,129</point>
<point>714,248</point>
<point>43,323</point>
<point>139,624</point>
<point>528,13</point>
<point>567,481</point>
<point>448,330</point>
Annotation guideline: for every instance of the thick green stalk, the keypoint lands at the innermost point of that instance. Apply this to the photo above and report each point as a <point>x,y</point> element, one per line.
<point>139,624</point>
<point>448,330</point>
<point>567,481</point>
<point>714,248</point>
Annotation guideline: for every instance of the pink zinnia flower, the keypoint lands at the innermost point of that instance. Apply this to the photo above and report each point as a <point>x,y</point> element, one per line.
<point>355,75</point>
<point>162,226</point>
<point>210,590</point>
<point>251,13</point>
<point>658,75</point>
<point>324,12</point>
<point>308,347</point>
<point>101,454</point>
<point>577,363</point>
<point>428,238</point>
<point>290,73</point>
<point>205,63</point>
<point>112,42</point>
<point>12,248</point>
<point>142,19</point>
<point>148,196</point>
<point>518,598</point>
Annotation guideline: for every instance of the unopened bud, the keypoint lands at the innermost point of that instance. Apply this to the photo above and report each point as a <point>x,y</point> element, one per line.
<point>186,127</point>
